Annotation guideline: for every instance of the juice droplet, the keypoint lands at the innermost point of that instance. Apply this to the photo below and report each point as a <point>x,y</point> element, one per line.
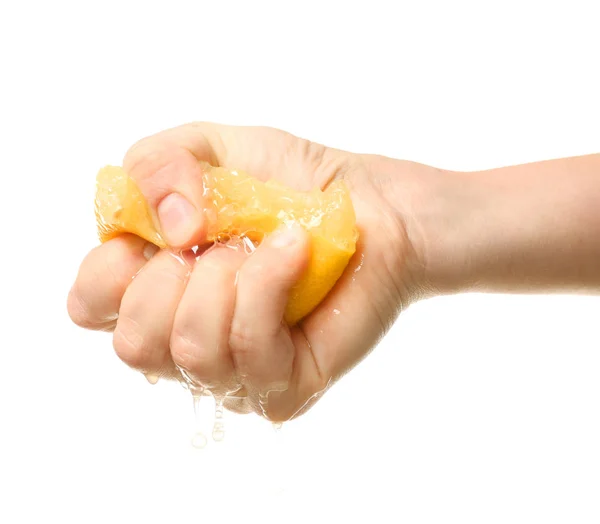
<point>179,256</point>
<point>199,440</point>
<point>197,397</point>
<point>218,433</point>
<point>249,246</point>
<point>263,397</point>
<point>358,267</point>
<point>263,401</point>
<point>360,264</point>
<point>152,379</point>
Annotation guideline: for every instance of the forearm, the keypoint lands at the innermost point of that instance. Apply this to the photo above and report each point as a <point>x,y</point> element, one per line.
<point>527,228</point>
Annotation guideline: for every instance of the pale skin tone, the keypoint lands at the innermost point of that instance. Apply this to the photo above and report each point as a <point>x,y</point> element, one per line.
<point>423,231</point>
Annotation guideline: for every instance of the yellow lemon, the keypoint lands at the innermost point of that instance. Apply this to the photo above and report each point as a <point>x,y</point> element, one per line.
<point>238,205</point>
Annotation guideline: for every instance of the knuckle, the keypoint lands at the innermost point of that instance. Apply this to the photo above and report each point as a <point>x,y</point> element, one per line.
<point>116,270</point>
<point>173,273</point>
<point>258,274</point>
<point>108,264</point>
<point>145,162</point>
<point>312,152</point>
<point>140,152</point>
<point>147,159</point>
<point>198,127</point>
<point>186,352</point>
<point>218,264</point>
<point>78,309</point>
<point>241,339</point>
<point>191,356</point>
<point>130,344</point>
<point>247,336</point>
<point>158,166</point>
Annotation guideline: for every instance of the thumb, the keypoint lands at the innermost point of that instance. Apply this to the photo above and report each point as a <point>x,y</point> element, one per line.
<point>170,177</point>
<point>167,170</point>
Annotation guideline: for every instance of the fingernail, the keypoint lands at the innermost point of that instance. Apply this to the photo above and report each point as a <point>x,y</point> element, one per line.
<point>177,219</point>
<point>285,237</point>
<point>149,250</point>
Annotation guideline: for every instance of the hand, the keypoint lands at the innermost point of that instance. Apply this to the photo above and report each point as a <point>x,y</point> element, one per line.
<point>227,336</point>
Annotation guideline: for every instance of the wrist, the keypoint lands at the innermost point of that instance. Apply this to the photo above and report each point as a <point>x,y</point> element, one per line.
<point>434,208</point>
<point>448,234</point>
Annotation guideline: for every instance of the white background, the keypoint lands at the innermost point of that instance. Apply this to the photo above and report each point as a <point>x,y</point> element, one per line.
<point>475,409</point>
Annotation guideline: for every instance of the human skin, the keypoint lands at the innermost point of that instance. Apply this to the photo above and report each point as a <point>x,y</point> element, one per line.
<point>423,231</point>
